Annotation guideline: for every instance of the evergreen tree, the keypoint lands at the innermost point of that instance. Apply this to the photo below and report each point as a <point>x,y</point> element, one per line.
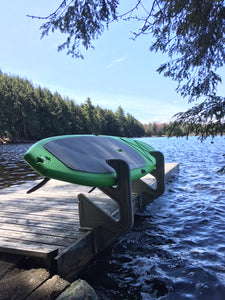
<point>121,120</point>
<point>111,125</point>
<point>36,113</point>
<point>6,115</point>
<point>134,128</point>
<point>89,112</point>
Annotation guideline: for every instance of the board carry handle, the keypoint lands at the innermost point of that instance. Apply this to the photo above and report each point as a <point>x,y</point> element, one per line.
<point>39,185</point>
<point>106,228</point>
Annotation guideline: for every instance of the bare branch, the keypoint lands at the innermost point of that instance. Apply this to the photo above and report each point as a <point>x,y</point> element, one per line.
<point>52,15</point>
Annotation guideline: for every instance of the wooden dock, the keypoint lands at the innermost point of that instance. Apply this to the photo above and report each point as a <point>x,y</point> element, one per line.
<point>45,224</point>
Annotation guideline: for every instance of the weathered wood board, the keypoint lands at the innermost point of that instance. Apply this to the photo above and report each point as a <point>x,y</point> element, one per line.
<point>45,223</point>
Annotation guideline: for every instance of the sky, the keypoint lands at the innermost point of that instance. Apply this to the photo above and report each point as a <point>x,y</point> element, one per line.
<point>118,72</point>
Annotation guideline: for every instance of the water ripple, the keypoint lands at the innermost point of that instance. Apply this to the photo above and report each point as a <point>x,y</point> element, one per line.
<point>176,249</point>
<point>13,169</point>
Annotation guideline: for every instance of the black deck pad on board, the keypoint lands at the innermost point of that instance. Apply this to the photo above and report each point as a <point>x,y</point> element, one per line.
<point>89,153</point>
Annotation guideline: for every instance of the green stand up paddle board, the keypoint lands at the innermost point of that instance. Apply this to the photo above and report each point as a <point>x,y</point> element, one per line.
<point>82,159</point>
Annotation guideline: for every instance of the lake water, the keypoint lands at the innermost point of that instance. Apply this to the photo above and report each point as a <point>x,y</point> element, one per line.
<point>13,168</point>
<point>176,249</point>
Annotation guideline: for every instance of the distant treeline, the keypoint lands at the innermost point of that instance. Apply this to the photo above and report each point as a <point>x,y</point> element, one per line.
<point>33,113</point>
<point>165,129</point>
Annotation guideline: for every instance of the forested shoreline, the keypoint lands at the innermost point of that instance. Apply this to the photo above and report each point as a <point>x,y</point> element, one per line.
<point>29,113</point>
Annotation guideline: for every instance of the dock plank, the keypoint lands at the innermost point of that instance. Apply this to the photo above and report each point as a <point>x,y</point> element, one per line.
<point>37,237</point>
<point>46,222</point>
<point>45,251</point>
<point>39,230</point>
<point>40,215</point>
<point>58,226</point>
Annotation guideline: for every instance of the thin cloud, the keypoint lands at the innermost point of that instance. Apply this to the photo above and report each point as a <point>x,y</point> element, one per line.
<point>116,61</point>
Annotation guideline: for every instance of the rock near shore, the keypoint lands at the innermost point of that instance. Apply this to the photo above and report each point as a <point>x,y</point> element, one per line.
<point>78,290</point>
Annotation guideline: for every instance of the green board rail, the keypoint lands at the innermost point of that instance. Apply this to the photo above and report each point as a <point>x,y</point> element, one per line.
<point>82,159</point>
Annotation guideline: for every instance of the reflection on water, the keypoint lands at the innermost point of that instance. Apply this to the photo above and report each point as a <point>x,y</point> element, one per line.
<point>13,168</point>
<point>176,249</point>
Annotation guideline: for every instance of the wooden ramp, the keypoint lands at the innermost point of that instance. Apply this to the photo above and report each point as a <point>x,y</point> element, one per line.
<point>45,224</point>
